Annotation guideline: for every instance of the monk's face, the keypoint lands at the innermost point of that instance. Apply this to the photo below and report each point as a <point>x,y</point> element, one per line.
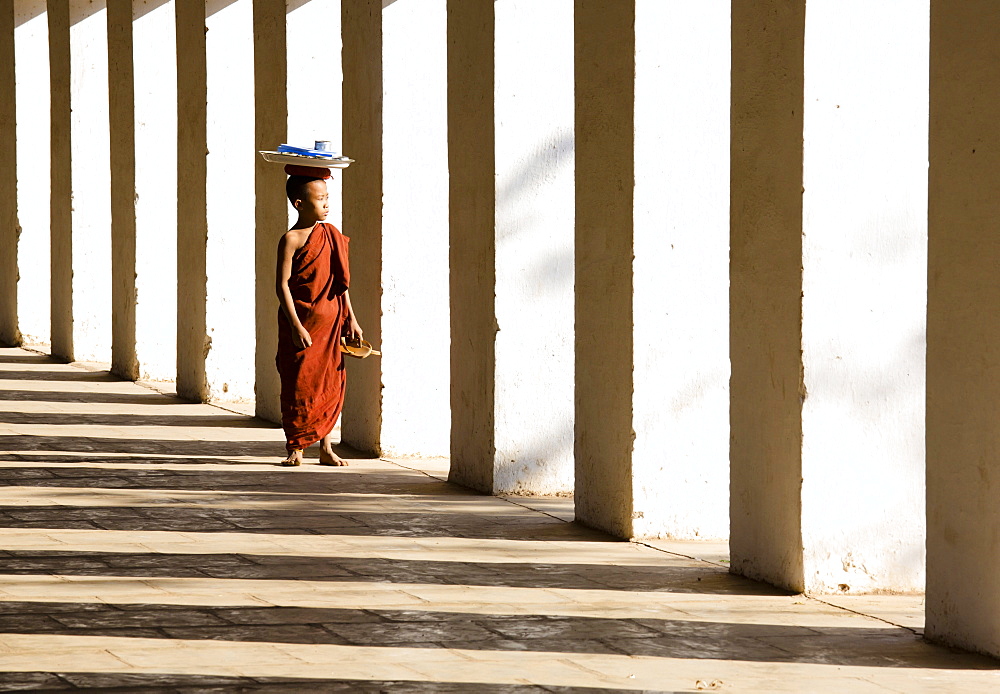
<point>317,201</point>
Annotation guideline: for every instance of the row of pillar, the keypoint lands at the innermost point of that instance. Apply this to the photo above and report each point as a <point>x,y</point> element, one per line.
<point>671,258</point>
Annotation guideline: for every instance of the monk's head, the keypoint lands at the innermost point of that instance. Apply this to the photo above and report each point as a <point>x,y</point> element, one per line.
<point>308,196</point>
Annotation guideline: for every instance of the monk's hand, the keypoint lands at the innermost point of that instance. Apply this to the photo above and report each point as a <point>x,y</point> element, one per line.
<point>302,339</point>
<point>354,332</point>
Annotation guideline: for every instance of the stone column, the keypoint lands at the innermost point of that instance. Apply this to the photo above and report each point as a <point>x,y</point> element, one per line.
<point>31,66</point>
<point>361,26</point>
<point>651,263</point>
<point>270,116</point>
<point>963,328</point>
<point>472,247</point>
<point>828,278</point>
<point>192,341</point>
<point>154,202</point>
<point>61,198</point>
<point>415,369</point>
<point>511,162</point>
<point>121,90</point>
<point>9,334</point>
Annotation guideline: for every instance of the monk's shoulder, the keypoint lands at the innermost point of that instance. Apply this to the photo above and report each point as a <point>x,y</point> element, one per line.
<point>294,239</point>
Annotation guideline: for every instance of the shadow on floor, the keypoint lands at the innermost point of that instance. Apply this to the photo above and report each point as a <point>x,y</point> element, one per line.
<point>697,580</point>
<point>662,638</point>
<point>168,683</point>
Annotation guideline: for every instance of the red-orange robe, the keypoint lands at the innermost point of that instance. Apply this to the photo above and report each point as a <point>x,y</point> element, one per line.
<point>313,379</point>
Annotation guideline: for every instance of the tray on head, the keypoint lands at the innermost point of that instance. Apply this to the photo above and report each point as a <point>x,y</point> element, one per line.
<point>303,160</point>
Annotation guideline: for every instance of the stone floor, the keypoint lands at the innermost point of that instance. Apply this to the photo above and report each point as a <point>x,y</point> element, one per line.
<point>152,545</point>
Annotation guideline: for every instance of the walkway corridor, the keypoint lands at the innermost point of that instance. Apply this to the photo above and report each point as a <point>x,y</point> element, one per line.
<point>152,545</point>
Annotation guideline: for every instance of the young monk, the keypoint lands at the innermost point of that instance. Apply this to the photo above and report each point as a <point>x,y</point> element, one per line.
<point>312,280</point>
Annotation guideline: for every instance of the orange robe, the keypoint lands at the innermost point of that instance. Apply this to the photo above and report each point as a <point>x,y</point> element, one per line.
<point>313,379</point>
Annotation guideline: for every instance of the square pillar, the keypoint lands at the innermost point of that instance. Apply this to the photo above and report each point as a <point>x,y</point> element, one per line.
<point>9,334</point>
<point>361,28</point>
<point>216,200</point>
<point>415,368</point>
<point>33,133</point>
<point>270,116</point>
<point>121,91</point>
<point>963,328</point>
<point>651,262</point>
<point>60,198</point>
<point>828,282</point>
<point>192,235</point>
<point>511,161</point>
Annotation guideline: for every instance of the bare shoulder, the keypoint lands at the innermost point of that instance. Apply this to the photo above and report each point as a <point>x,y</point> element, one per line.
<point>293,239</point>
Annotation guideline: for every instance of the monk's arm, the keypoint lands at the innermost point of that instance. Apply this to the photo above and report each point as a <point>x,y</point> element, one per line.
<point>352,329</point>
<point>286,250</point>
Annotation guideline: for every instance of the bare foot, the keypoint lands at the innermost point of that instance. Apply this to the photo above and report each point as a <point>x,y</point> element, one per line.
<point>328,457</point>
<point>294,458</point>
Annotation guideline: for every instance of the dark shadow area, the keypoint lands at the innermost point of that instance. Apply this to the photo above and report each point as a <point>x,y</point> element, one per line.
<point>173,447</point>
<point>699,580</point>
<point>663,638</point>
<point>307,479</point>
<point>90,397</point>
<point>80,376</point>
<point>29,358</point>
<point>291,516</point>
<point>235,421</point>
<point>180,447</point>
<point>168,683</point>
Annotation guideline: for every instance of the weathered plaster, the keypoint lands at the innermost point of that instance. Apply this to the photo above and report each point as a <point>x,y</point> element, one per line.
<point>472,269</point>
<point>271,78</point>
<point>604,56</point>
<point>533,120</point>
<point>963,328</point>
<point>864,287</point>
<point>155,202</point>
<point>192,234</point>
<point>680,459</point>
<point>230,201</point>
<point>9,334</point>
<point>361,29</point>
<point>90,181</point>
<point>766,290</point>
<point>415,416</point>
<point>31,68</point>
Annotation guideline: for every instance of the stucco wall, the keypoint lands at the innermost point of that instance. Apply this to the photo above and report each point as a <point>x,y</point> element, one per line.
<point>415,369</point>
<point>314,86</point>
<point>229,366</point>
<point>533,97</point>
<point>90,181</point>
<point>155,71</point>
<point>680,462</point>
<point>31,64</point>
<point>864,285</point>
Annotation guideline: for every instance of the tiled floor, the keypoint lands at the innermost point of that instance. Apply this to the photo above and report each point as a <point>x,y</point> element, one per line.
<point>152,545</point>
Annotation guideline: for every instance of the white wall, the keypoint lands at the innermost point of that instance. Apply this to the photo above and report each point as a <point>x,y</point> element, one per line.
<point>864,294</point>
<point>415,321</point>
<point>534,246</point>
<point>90,181</point>
<point>154,63</point>
<point>681,270</point>
<point>229,367</point>
<point>314,86</point>
<point>31,63</point>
